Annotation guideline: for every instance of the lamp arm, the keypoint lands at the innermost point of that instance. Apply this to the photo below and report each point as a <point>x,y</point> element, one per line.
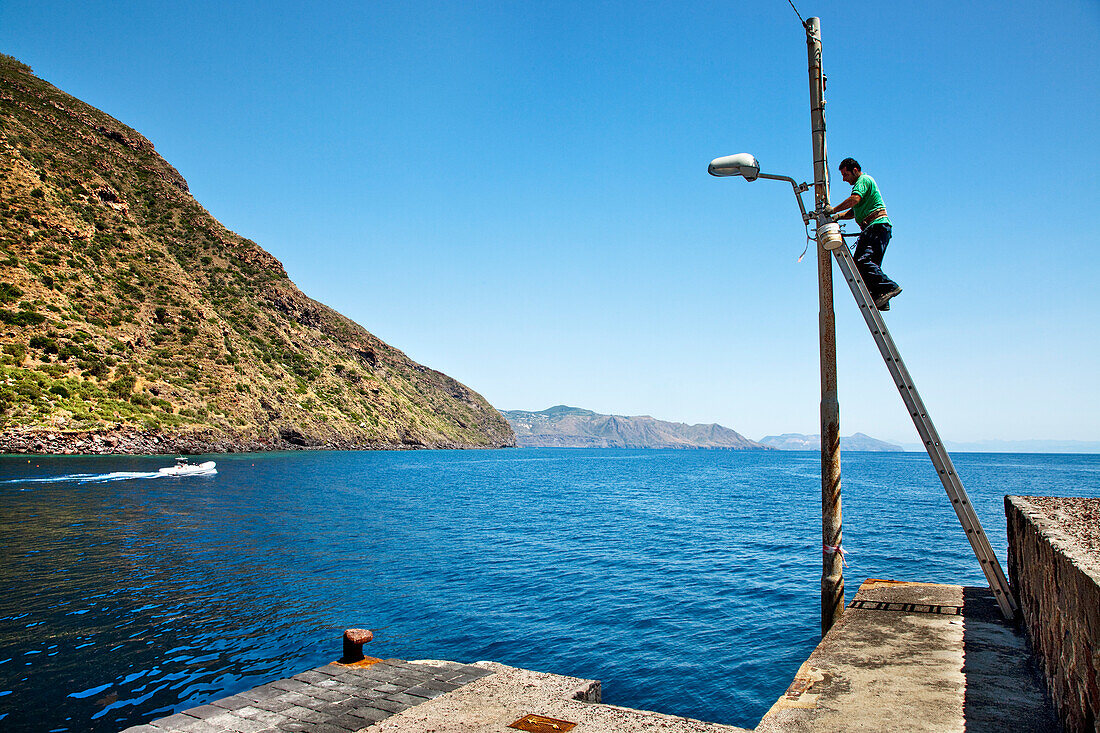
<point>798,189</point>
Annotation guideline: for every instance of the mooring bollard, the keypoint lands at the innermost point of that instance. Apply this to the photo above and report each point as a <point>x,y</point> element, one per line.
<point>354,639</point>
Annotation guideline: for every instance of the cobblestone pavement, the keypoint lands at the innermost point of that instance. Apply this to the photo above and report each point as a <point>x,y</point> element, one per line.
<point>335,698</point>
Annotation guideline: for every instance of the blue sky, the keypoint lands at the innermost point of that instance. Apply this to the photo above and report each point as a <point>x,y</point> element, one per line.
<point>516,193</point>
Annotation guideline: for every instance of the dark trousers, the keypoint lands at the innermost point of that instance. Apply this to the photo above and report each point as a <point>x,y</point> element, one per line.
<point>870,248</point>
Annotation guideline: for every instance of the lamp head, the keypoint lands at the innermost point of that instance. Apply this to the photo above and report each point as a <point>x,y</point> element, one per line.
<point>742,164</point>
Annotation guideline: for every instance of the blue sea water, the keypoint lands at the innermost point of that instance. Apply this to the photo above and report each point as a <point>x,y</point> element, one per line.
<point>687,581</point>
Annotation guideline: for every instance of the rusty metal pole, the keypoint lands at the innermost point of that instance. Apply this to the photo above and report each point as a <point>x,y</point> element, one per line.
<point>832,571</point>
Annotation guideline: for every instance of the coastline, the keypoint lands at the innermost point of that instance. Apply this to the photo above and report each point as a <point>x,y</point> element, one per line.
<point>155,442</point>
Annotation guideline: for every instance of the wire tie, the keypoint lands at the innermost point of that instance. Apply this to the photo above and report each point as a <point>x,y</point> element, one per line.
<point>833,550</point>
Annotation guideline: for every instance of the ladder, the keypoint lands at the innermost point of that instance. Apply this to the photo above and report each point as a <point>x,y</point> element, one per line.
<point>831,238</point>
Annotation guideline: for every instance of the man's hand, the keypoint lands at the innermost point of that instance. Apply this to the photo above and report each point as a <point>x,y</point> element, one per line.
<point>829,210</point>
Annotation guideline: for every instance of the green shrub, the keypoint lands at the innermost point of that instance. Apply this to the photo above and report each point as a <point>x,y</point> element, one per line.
<point>17,350</point>
<point>45,344</point>
<point>28,389</point>
<point>94,368</point>
<point>9,293</point>
<point>21,318</point>
<point>123,386</point>
<point>60,391</point>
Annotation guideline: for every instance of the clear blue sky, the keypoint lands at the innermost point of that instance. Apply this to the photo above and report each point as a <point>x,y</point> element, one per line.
<point>516,193</point>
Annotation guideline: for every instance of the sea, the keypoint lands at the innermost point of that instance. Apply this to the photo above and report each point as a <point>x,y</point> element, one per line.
<point>688,582</point>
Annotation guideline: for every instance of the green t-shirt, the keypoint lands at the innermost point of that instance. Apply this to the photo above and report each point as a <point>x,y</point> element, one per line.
<point>869,200</point>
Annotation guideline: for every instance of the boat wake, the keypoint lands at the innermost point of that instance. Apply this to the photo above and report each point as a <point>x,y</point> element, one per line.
<point>103,478</point>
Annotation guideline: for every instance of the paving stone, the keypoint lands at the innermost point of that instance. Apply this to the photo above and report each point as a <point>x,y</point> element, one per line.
<point>392,706</point>
<point>441,685</point>
<point>322,694</point>
<point>233,702</point>
<point>200,726</point>
<point>346,687</point>
<point>314,703</point>
<point>307,715</point>
<point>312,677</point>
<point>347,679</point>
<point>348,722</point>
<point>407,682</point>
<point>293,726</point>
<point>421,691</point>
<point>335,709</point>
<point>293,698</point>
<point>175,721</point>
<point>327,728</point>
<point>274,705</point>
<point>244,725</point>
<point>204,711</point>
<point>144,728</point>
<point>264,692</point>
<point>247,711</point>
<point>406,698</point>
<point>462,679</point>
<point>377,671</point>
<point>289,685</point>
<point>330,669</point>
<point>330,682</point>
<point>220,721</point>
<point>387,688</point>
<point>371,715</point>
<point>264,716</point>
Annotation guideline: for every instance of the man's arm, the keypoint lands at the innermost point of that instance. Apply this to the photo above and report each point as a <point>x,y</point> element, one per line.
<point>844,205</point>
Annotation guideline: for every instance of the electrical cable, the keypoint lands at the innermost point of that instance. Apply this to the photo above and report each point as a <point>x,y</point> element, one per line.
<point>797,13</point>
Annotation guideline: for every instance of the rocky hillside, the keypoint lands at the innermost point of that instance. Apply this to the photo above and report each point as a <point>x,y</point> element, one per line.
<point>572,427</point>
<point>799,441</point>
<point>132,321</point>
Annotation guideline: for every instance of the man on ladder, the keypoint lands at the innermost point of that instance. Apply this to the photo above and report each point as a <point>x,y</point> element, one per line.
<point>865,205</point>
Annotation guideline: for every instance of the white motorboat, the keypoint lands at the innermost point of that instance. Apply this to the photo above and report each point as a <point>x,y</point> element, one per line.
<point>184,468</point>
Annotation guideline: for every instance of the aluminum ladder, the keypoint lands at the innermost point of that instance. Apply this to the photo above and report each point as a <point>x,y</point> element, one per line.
<point>830,237</point>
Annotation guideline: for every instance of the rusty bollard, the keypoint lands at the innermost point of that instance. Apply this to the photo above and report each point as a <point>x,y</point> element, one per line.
<point>354,639</point>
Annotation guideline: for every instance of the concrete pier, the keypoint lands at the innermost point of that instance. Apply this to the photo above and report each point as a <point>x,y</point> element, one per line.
<point>394,696</point>
<point>917,657</point>
<point>904,656</point>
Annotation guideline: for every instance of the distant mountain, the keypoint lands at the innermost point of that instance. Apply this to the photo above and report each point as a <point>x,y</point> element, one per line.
<point>572,427</point>
<point>1017,446</point>
<point>798,441</point>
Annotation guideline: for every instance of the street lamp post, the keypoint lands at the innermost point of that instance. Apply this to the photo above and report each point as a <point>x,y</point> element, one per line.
<point>746,166</point>
<point>832,561</point>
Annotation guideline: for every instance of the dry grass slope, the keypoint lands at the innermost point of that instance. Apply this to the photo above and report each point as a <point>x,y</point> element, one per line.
<point>132,321</point>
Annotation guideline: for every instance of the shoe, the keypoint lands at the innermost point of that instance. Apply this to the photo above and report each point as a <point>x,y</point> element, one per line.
<point>884,297</point>
<point>884,307</point>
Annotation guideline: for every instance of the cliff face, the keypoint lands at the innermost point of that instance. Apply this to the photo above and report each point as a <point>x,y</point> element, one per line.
<point>132,321</point>
<point>571,427</point>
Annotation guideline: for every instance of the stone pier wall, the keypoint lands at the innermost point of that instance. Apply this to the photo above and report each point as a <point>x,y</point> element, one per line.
<point>1054,563</point>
